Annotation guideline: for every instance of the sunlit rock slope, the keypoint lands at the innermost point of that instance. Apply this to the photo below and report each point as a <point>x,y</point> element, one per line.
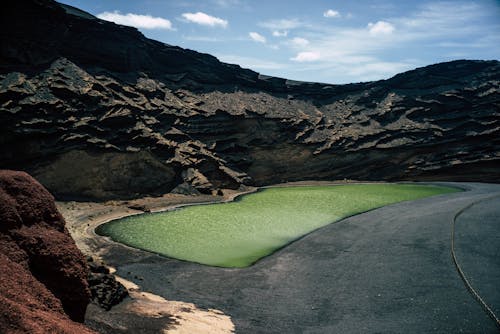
<point>96,110</point>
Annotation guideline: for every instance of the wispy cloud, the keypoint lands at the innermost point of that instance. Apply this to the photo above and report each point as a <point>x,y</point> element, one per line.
<point>281,24</point>
<point>256,37</point>
<point>299,42</point>
<point>136,20</point>
<point>394,39</point>
<point>278,33</point>
<point>444,19</point>
<point>307,56</point>
<point>380,28</point>
<point>330,13</point>
<point>361,53</point>
<point>205,19</point>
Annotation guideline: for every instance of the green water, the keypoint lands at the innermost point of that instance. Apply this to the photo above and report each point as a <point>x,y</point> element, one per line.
<point>239,233</point>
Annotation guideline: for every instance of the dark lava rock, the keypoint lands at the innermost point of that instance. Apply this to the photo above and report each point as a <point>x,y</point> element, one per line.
<point>105,289</point>
<point>139,117</point>
<point>43,287</point>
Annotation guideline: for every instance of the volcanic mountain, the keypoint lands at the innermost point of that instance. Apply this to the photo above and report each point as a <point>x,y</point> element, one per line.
<point>96,110</point>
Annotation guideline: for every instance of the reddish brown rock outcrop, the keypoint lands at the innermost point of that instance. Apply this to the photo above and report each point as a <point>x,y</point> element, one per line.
<point>43,287</point>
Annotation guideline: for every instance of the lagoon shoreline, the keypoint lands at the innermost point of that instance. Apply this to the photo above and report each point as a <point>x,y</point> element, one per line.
<point>84,217</point>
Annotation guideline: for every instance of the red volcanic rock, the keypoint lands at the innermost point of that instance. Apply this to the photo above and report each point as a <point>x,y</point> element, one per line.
<point>43,287</point>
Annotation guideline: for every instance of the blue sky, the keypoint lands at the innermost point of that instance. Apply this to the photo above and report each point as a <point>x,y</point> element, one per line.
<point>316,40</point>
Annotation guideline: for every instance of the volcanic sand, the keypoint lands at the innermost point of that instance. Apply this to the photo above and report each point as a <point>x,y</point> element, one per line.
<point>387,270</point>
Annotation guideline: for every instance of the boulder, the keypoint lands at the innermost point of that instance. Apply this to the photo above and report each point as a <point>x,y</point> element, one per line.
<point>43,286</point>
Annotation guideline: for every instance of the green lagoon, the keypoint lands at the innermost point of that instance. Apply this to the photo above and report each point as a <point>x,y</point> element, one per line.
<point>237,234</point>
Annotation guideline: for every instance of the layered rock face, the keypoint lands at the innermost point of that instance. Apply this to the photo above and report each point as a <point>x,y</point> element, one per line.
<point>96,110</point>
<point>43,287</point>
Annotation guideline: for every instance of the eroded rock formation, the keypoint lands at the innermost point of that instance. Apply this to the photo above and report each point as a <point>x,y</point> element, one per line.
<point>43,287</point>
<point>96,110</point>
<point>105,290</point>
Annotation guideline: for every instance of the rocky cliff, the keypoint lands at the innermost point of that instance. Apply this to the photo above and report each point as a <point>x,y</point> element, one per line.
<point>43,287</point>
<point>96,110</point>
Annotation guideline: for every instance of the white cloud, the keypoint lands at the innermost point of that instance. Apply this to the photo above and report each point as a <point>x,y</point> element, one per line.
<point>331,13</point>
<point>306,56</point>
<point>205,19</point>
<point>360,52</point>
<point>380,28</point>
<point>257,37</point>
<point>299,41</point>
<point>353,54</point>
<point>136,20</point>
<point>283,24</point>
<point>277,33</point>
